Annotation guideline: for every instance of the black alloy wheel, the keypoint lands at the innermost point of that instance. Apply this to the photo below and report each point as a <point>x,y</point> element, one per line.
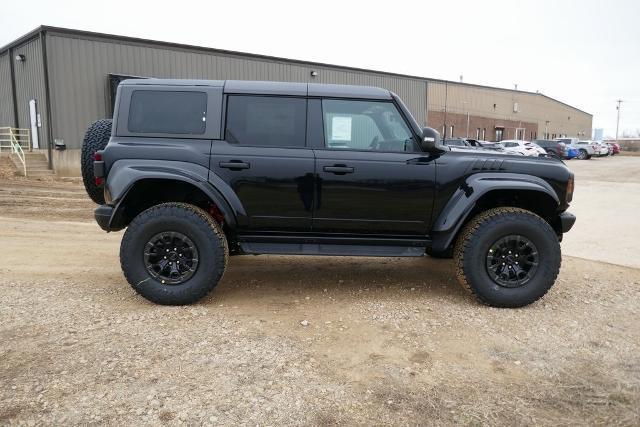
<point>171,257</point>
<point>512,261</point>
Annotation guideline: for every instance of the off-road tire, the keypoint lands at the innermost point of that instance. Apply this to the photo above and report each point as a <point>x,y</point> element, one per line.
<point>95,139</point>
<point>481,232</point>
<point>194,223</point>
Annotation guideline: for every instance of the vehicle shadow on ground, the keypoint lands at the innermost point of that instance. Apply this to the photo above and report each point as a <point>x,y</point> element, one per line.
<point>248,277</point>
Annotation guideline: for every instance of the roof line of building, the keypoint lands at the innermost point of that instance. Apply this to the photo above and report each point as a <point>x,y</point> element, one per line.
<point>43,28</point>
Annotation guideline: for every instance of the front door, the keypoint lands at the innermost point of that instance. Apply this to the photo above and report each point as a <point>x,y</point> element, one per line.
<point>264,159</point>
<point>372,176</point>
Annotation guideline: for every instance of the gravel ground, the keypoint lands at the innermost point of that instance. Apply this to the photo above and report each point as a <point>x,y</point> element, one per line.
<point>298,340</point>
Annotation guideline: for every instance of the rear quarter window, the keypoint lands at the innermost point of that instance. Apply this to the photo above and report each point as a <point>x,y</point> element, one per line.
<point>169,112</point>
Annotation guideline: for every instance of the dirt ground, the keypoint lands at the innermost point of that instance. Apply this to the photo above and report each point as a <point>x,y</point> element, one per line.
<point>388,341</point>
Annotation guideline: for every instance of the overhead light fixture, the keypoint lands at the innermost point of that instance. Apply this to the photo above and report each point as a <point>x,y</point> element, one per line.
<point>20,57</point>
<point>314,73</point>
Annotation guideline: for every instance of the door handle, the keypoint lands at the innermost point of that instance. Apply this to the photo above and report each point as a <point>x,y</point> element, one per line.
<point>419,161</point>
<point>235,165</point>
<point>338,169</point>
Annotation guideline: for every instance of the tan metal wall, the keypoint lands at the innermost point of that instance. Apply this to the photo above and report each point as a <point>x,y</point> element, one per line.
<point>6,96</point>
<point>29,80</point>
<point>78,68</point>
<point>499,104</point>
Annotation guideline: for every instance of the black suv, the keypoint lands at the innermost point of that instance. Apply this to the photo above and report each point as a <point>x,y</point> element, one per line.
<point>198,171</point>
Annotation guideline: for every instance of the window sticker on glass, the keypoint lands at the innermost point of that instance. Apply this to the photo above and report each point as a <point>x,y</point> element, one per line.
<point>341,128</point>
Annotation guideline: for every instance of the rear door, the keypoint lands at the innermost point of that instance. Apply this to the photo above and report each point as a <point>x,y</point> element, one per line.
<point>264,159</point>
<point>372,176</point>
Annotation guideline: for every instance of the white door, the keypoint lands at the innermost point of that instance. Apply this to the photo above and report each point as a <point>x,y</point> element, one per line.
<point>33,118</point>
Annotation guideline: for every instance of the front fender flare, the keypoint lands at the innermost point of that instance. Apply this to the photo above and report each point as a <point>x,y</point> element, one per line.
<point>124,174</point>
<point>460,205</point>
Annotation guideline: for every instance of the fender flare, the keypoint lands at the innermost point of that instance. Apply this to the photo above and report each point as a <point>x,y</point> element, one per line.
<point>464,199</point>
<point>125,174</point>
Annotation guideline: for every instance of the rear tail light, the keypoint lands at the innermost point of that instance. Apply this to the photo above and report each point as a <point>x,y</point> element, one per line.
<point>97,156</point>
<point>99,180</point>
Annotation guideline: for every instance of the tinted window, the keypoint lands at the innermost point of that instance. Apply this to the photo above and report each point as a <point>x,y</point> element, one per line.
<point>365,125</point>
<point>154,111</point>
<point>266,120</point>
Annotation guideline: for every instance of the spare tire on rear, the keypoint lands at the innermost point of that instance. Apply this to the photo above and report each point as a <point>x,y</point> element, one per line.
<point>95,139</point>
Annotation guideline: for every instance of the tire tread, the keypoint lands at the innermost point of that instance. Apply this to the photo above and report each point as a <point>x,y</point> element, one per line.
<point>464,241</point>
<point>188,212</point>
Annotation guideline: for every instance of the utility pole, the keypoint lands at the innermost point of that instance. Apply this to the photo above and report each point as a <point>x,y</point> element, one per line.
<point>619,101</point>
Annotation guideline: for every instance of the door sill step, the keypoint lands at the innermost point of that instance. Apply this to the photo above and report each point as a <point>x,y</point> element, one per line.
<point>259,248</point>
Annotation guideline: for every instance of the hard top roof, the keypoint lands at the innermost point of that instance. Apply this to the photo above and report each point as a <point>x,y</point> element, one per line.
<point>273,88</point>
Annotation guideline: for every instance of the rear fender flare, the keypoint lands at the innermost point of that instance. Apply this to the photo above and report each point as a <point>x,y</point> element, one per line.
<point>124,174</point>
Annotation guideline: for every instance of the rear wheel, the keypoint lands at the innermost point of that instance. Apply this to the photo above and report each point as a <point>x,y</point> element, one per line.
<point>507,257</point>
<point>95,139</point>
<point>173,254</point>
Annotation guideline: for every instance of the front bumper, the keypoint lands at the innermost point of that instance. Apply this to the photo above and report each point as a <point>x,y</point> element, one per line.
<point>566,221</point>
<point>103,216</point>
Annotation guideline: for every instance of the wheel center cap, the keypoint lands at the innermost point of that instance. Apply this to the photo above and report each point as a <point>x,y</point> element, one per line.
<point>173,256</point>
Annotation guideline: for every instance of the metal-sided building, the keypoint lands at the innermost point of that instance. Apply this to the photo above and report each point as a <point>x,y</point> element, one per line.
<point>56,81</point>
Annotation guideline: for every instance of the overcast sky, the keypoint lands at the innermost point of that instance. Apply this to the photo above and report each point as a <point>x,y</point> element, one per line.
<point>585,53</point>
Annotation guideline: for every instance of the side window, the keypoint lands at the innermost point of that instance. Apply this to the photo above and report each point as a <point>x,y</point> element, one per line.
<point>172,112</point>
<point>266,121</point>
<point>365,125</point>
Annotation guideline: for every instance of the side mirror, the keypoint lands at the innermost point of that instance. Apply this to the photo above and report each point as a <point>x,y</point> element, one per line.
<point>430,139</point>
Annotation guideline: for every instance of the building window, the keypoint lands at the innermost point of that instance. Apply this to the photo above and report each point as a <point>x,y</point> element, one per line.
<point>444,131</point>
<point>170,112</point>
<point>484,134</point>
<point>451,131</point>
<point>478,133</point>
<point>499,134</point>
<point>266,121</point>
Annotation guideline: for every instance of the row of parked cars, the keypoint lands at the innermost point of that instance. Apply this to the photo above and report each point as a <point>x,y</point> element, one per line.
<point>561,148</point>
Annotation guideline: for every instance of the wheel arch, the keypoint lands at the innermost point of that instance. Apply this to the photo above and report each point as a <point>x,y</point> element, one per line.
<point>484,191</point>
<point>133,188</point>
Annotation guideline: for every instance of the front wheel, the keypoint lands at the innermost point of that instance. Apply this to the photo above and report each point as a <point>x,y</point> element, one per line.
<point>507,257</point>
<point>583,155</point>
<point>173,254</point>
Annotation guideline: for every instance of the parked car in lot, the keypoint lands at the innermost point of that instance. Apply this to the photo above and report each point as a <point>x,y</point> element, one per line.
<point>523,147</point>
<point>557,149</point>
<point>586,149</point>
<point>486,145</point>
<point>198,171</point>
<point>605,146</point>
<point>600,149</point>
<point>615,147</point>
<point>474,143</point>
<point>456,142</point>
